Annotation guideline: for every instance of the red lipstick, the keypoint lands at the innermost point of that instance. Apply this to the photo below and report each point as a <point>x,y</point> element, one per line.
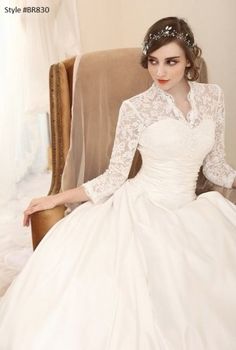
<point>161,81</point>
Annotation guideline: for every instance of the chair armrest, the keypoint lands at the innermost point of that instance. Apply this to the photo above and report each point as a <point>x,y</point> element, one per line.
<point>43,220</point>
<point>60,87</point>
<point>229,193</point>
<point>204,185</point>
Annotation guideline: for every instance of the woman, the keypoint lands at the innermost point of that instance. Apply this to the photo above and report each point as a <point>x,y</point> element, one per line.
<point>144,264</point>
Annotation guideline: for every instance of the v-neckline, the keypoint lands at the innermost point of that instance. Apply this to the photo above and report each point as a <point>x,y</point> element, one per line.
<point>189,98</point>
<point>185,116</point>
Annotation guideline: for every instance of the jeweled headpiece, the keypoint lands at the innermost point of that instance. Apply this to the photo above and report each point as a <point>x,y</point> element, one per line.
<point>167,32</point>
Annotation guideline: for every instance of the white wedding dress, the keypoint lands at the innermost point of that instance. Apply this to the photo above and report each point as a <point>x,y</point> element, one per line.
<point>144,265</point>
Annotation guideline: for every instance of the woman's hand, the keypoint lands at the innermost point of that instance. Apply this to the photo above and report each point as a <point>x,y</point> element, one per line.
<point>38,204</point>
<point>73,195</point>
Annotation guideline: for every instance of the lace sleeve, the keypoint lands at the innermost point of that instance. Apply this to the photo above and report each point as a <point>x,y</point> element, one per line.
<point>125,143</point>
<point>215,167</point>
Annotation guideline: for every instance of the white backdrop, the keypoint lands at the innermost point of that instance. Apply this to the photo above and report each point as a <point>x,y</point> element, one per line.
<point>30,43</point>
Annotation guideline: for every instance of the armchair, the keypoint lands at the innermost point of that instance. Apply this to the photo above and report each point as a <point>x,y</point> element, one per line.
<point>100,82</point>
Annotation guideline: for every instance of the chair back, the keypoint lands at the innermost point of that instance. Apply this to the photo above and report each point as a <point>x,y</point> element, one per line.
<point>101,82</point>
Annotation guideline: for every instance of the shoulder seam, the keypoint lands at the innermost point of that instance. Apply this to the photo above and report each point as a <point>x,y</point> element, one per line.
<point>132,106</point>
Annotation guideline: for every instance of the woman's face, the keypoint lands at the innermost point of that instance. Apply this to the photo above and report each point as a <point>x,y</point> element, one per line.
<point>167,66</point>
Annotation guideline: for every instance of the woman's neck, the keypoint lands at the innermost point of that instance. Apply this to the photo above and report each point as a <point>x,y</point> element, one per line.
<point>180,91</point>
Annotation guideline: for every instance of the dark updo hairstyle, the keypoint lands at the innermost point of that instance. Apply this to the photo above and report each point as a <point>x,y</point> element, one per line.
<point>192,53</point>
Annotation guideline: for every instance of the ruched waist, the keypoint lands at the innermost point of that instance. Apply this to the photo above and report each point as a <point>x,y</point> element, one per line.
<point>171,191</point>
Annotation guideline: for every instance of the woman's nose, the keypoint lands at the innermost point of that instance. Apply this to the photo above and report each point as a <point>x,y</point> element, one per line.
<point>160,72</point>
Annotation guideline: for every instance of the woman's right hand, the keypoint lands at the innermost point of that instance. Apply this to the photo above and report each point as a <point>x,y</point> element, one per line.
<point>38,204</point>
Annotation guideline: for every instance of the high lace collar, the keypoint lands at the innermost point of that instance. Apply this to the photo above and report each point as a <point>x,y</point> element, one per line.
<point>189,117</point>
<point>169,96</point>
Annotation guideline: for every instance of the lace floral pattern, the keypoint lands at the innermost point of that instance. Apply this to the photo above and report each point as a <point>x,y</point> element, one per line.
<point>128,130</point>
<point>215,168</point>
<point>140,111</point>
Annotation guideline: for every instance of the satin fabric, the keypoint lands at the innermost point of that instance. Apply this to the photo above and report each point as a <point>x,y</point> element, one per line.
<point>152,267</point>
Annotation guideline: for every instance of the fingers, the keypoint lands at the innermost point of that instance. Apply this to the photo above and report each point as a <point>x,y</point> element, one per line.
<point>26,220</point>
<point>35,205</point>
<point>27,213</point>
<point>32,208</point>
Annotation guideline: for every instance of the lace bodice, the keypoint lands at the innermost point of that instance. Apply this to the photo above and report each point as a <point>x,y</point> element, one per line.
<point>139,112</point>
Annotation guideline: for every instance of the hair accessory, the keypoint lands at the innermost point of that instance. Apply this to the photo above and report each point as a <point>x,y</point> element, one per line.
<point>167,32</point>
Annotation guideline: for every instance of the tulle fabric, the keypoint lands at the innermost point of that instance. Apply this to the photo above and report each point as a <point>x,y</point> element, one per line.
<point>30,43</point>
<point>16,240</point>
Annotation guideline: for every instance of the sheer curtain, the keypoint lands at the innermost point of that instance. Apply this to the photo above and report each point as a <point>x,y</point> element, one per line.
<point>30,43</point>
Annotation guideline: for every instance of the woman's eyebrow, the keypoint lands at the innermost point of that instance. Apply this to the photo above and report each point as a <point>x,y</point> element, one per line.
<point>171,58</point>
<point>154,58</point>
<point>167,58</point>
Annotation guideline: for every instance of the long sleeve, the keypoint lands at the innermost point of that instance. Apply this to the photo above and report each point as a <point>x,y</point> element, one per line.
<point>215,167</point>
<point>127,134</point>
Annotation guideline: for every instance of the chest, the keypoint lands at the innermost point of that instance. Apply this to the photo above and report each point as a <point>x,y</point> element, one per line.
<point>184,107</point>
<point>175,139</point>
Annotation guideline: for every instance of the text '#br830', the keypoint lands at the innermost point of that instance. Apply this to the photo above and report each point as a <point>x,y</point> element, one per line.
<point>27,9</point>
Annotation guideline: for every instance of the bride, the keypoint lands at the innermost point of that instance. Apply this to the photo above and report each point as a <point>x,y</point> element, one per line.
<point>143,264</point>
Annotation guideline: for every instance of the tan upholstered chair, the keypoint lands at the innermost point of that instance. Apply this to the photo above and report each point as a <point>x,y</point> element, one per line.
<point>114,75</point>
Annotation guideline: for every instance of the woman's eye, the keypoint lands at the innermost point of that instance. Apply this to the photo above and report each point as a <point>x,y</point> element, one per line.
<point>153,62</point>
<point>171,63</point>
